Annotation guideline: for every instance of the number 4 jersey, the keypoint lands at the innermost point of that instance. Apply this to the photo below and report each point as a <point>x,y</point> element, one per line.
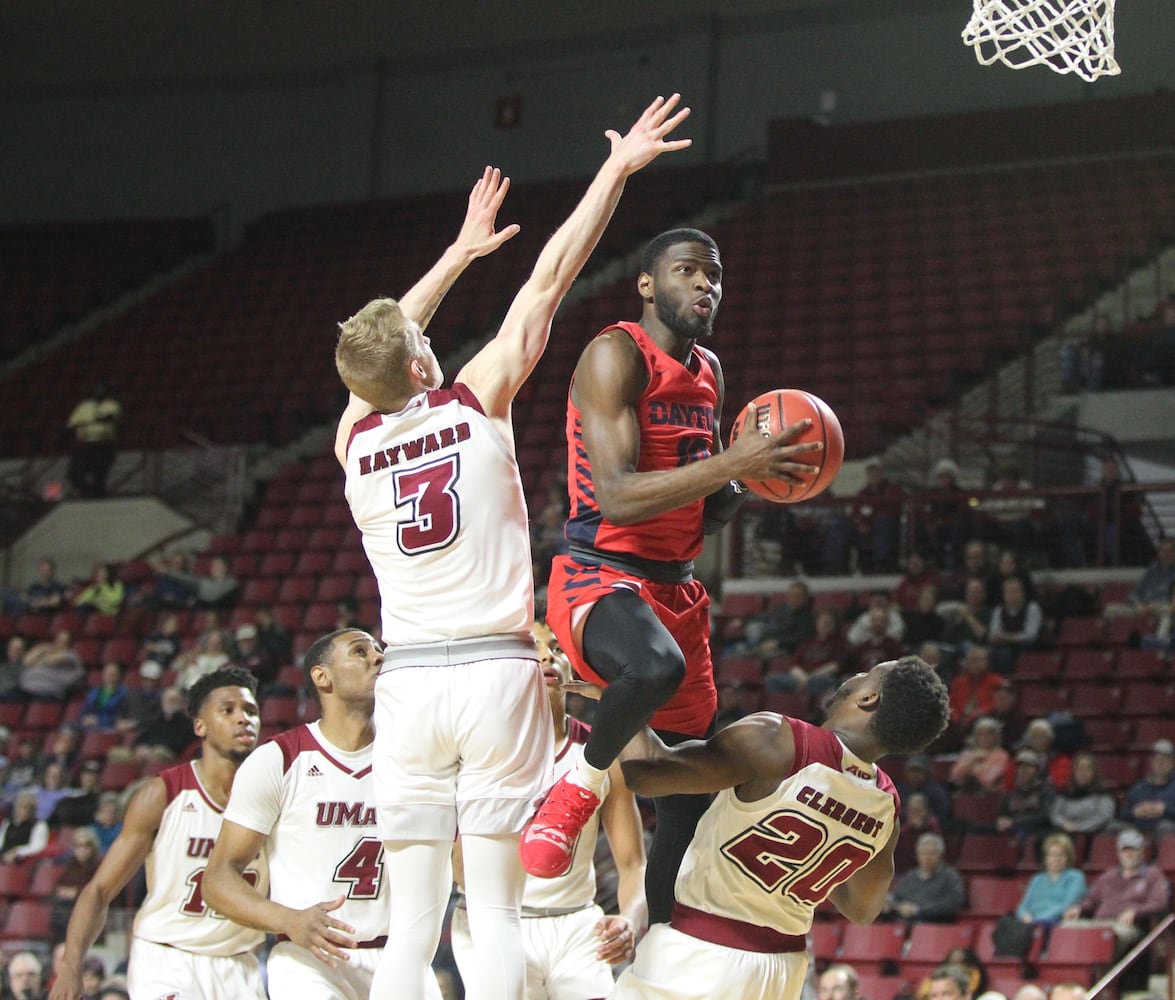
<point>314,803</point>
<point>772,862</point>
<point>438,498</point>
<point>173,912</point>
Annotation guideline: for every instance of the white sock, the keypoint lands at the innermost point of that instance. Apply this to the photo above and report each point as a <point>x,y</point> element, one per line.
<point>586,776</point>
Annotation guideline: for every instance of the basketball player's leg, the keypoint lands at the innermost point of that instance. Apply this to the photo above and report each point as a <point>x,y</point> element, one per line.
<point>495,968</point>
<point>419,875</point>
<point>156,970</point>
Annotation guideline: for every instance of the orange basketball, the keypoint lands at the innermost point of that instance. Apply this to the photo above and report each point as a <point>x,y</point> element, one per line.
<point>781,408</point>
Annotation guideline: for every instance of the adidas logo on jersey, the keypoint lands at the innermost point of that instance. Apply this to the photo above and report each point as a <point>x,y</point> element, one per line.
<point>189,808</point>
<point>314,772</point>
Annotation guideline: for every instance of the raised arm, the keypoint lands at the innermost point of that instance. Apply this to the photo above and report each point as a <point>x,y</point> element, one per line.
<point>753,755</point>
<point>497,372</point>
<point>626,841</point>
<point>227,891</point>
<point>125,857</point>
<point>476,238</point>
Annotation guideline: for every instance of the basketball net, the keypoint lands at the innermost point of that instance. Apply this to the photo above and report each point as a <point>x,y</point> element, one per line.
<point>1068,36</point>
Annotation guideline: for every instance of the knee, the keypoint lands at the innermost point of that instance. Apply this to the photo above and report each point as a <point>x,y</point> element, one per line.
<point>662,672</point>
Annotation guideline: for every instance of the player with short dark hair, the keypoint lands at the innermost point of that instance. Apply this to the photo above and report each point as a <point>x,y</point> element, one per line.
<point>179,945</point>
<point>802,814</point>
<point>648,477</point>
<point>305,799</point>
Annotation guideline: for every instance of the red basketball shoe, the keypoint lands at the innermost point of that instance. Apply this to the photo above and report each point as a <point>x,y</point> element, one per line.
<point>548,841</point>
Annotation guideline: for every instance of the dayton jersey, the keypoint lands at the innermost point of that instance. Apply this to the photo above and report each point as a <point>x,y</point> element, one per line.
<point>675,414</point>
<point>438,498</point>
<point>771,862</point>
<point>173,912</point>
<point>578,886</point>
<point>314,803</point>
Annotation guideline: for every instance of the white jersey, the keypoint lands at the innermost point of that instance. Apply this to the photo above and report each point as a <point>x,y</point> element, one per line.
<point>315,805</point>
<point>770,863</point>
<point>577,887</point>
<point>173,912</point>
<point>438,498</point>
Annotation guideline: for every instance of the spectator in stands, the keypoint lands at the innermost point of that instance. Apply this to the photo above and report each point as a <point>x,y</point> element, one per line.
<point>1030,991</point>
<point>78,869</point>
<point>164,643</point>
<point>1129,896</point>
<point>945,522</point>
<point>1162,639</point>
<point>1015,625</point>
<point>50,790</point>
<point>46,594</point>
<point>918,573</point>
<point>273,635</point>
<point>94,422</point>
<point>53,670</point>
<point>1008,565</point>
<point>983,764</point>
<point>871,526</point>
<point>106,700</point>
<point>972,691</point>
<point>11,669</point>
<point>917,819</point>
<point>104,593</point>
<point>1149,804</point>
<point>142,706</point>
<point>1058,886</point>
<point>1068,991</point>
<point>93,975</point>
<point>1112,521</point>
<point>25,977</point>
<point>923,623</point>
<point>1006,711</point>
<point>933,891</point>
<point>167,737</point>
<point>252,655</point>
<point>780,630</point>
<point>22,835</point>
<point>1025,810</point>
<point>838,982</point>
<point>1040,735</point>
<point>949,982</point>
<point>116,989</point>
<point>211,652</point>
<point>1010,519</point>
<point>919,778</point>
<point>1152,594</point>
<point>819,662</point>
<point>876,646</point>
<point>969,622</point>
<point>975,566</point>
<point>863,626</point>
<point>78,807</point>
<point>24,766</point>
<point>215,589</point>
<point>1083,805</point>
<point>107,823</point>
<point>63,750</point>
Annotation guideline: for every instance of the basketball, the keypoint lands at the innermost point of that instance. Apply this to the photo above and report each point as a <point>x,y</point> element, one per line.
<point>780,408</point>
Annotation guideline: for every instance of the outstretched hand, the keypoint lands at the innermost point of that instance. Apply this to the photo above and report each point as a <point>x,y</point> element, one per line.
<point>321,934</point>
<point>477,236</point>
<point>646,140</point>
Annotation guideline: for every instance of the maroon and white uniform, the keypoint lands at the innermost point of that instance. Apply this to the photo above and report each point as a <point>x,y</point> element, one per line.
<point>559,915</point>
<point>755,872</point>
<point>315,804</point>
<point>203,954</point>
<point>437,495</point>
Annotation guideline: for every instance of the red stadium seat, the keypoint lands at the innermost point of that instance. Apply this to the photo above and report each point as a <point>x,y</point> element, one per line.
<point>826,935</point>
<point>14,879</point>
<point>96,744</point>
<point>27,920</point>
<point>42,715</point>
<point>1077,954</point>
<point>873,948</point>
<point>982,853</point>
<point>985,948</point>
<point>929,943</point>
<point>1080,632</point>
<point>739,670</point>
<point>118,774</point>
<point>279,710</point>
<point>992,896</point>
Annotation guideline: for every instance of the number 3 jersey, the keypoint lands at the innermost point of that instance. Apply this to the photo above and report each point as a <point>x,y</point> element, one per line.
<point>772,862</point>
<point>314,802</point>
<point>173,912</point>
<point>438,498</point>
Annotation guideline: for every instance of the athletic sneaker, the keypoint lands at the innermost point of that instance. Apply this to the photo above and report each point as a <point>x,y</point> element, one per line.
<point>548,841</point>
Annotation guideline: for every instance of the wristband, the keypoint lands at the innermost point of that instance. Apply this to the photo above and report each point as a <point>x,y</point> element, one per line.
<point>738,486</point>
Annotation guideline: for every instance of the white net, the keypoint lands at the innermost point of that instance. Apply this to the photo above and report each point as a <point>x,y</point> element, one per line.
<point>1068,36</point>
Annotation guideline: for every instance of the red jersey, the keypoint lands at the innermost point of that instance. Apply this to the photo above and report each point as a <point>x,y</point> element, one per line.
<point>675,413</point>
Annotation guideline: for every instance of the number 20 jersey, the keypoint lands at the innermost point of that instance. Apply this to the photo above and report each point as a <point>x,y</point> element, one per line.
<point>438,497</point>
<point>772,862</point>
<point>314,803</point>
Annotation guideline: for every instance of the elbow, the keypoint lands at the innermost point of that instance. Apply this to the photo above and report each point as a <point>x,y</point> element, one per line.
<point>634,776</point>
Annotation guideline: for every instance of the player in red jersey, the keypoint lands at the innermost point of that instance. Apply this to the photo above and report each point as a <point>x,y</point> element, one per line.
<point>648,477</point>
<point>802,814</point>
